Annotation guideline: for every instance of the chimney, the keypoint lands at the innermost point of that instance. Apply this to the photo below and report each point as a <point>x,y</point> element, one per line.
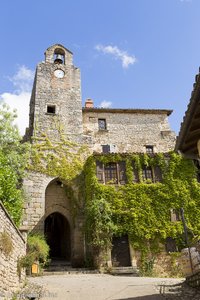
<point>89,103</point>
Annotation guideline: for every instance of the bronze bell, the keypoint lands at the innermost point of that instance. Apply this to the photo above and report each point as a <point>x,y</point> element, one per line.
<point>58,59</point>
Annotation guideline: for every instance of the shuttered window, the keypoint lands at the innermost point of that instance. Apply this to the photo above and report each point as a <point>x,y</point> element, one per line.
<point>99,171</point>
<point>122,172</point>
<point>157,174</point>
<point>135,174</point>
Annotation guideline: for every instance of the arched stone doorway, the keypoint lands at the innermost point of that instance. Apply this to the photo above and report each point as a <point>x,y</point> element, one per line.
<point>57,232</point>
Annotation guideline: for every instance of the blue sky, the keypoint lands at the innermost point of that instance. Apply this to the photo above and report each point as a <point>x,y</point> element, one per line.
<point>132,53</point>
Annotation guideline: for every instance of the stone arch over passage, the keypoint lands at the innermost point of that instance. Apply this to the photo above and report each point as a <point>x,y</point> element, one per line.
<point>57,220</point>
<point>57,232</point>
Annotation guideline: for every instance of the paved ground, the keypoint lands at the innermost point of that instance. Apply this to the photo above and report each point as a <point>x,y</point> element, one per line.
<point>107,287</point>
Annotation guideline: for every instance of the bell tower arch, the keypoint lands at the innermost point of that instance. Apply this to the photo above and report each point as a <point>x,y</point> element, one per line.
<point>56,97</point>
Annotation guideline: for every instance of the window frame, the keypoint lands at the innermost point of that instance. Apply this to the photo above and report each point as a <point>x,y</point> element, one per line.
<point>53,106</point>
<point>149,149</point>
<point>146,170</point>
<point>111,173</point>
<point>100,127</point>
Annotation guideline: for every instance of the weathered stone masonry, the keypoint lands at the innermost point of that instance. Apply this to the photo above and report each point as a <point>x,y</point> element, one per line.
<point>9,278</point>
<point>56,103</point>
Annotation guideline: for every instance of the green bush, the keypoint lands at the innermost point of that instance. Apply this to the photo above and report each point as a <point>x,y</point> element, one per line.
<point>38,248</point>
<point>37,251</point>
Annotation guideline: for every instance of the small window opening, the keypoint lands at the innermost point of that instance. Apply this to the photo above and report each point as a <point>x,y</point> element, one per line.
<point>105,148</point>
<point>102,124</point>
<point>51,109</point>
<point>149,149</point>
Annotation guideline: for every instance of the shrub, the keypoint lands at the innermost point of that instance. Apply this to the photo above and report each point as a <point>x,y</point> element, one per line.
<point>37,251</point>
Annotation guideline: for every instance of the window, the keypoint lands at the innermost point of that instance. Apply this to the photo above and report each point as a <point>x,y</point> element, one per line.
<point>147,173</point>
<point>102,124</point>
<point>157,174</point>
<point>99,171</point>
<point>135,173</point>
<point>122,172</point>
<point>112,173</point>
<point>115,173</point>
<point>51,109</point>
<point>149,149</point>
<point>106,148</point>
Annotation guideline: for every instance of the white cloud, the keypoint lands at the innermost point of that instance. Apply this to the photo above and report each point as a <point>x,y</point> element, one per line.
<point>19,99</point>
<point>23,79</point>
<point>125,58</point>
<point>105,104</point>
<point>19,102</point>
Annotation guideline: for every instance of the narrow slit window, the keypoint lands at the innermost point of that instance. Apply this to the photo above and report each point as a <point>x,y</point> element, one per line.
<point>51,109</point>
<point>102,124</point>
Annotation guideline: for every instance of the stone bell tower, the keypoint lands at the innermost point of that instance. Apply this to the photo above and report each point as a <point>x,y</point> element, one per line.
<point>56,96</point>
<point>55,107</point>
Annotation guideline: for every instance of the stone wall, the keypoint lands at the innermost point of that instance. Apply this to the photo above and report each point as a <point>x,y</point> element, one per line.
<point>35,185</point>
<point>12,247</point>
<point>46,195</point>
<point>63,94</point>
<point>129,131</point>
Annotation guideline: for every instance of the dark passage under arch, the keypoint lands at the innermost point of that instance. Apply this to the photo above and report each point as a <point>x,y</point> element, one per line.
<point>57,232</point>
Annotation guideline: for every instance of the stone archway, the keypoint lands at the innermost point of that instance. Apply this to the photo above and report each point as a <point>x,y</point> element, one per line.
<point>57,232</point>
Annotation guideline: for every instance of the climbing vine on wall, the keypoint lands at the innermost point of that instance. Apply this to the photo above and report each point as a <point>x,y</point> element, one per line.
<point>142,209</point>
<point>58,157</point>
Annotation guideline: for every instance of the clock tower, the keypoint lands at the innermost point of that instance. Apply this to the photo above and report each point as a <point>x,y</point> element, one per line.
<point>56,97</point>
<point>55,112</point>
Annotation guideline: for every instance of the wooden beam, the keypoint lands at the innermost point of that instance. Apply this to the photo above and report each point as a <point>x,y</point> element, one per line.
<point>195,124</point>
<point>190,148</point>
<point>193,136</point>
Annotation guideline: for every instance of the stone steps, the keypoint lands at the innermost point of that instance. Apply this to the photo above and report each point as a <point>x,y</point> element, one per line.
<point>133,271</point>
<point>59,267</point>
<point>69,271</point>
<point>64,267</point>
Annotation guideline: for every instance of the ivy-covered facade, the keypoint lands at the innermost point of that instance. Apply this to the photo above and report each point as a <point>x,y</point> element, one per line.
<point>142,210</point>
<point>103,185</point>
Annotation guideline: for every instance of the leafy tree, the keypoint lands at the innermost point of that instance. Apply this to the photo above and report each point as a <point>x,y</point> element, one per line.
<point>12,163</point>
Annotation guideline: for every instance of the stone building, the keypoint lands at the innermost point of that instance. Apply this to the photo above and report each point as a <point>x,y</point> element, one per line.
<point>56,96</point>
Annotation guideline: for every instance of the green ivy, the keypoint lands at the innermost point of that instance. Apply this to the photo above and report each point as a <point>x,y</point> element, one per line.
<point>62,158</point>
<point>141,210</point>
